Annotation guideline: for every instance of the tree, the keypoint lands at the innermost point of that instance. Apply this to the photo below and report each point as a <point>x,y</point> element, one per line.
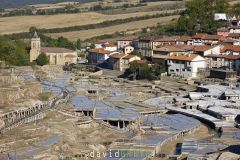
<point>42,59</point>
<point>65,43</point>
<point>32,30</point>
<point>236,9</point>
<point>92,46</point>
<point>13,52</point>
<point>133,67</point>
<point>78,44</point>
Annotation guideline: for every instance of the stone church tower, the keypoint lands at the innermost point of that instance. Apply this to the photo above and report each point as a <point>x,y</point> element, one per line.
<point>35,47</point>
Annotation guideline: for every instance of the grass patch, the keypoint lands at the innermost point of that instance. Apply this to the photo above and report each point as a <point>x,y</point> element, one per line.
<point>45,96</point>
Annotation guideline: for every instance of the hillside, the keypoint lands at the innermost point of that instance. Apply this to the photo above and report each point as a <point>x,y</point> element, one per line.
<point>20,3</point>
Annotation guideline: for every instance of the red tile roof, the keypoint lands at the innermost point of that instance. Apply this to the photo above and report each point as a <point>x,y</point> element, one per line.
<point>129,56</point>
<point>170,49</point>
<point>201,48</point>
<point>232,57</point>
<point>175,48</point>
<point>214,37</point>
<point>55,50</point>
<point>118,55</point>
<point>231,48</point>
<point>183,57</point>
<point>199,35</point>
<point>99,51</point>
<point>167,39</point>
<point>140,61</point>
<point>109,45</point>
<point>184,38</point>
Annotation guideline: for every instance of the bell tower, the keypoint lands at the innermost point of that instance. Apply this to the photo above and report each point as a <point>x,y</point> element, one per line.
<point>35,47</point>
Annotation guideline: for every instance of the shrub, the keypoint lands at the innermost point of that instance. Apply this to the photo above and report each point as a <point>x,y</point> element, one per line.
<point>45,96</point>
<point>42,59</point>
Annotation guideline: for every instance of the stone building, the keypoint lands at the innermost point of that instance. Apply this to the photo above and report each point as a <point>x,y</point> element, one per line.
<point>57,56</point>
<point>121,62</point>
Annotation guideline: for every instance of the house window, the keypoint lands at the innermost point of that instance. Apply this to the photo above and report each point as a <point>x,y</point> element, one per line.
<point>171,70</point>
<point>177,70</point>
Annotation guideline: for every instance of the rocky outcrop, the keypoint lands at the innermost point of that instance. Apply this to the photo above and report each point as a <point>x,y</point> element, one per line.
<point>11,94</point>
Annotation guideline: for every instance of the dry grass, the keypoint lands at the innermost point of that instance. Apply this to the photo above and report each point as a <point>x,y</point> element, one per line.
<point>234,2</point>
<point>23,23</point>
<point>85,34</point>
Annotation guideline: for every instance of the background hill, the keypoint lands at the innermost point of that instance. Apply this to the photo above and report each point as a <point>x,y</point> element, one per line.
<point>19,3</point>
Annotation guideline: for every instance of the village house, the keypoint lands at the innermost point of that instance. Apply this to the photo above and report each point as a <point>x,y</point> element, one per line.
<point>184,40</point>
<point>198,39</point>
<point>123,43</point>
<point>166,50</point>
<point>185,65</point>
<point>220,17</point>
<point>223,32</point>
<point>106,46</point>
<point>165,41</point>
<point>145,47</point>
<point>212,54</point>
<point>121,62</point>
<point>215,60</point>
<point>234,29</point>
<point>235,21</point>
<point>110,47</point>
<point>231,49</point>
<point>160,55</point>
<point>229,42</point>
<point>234,36</point>
<point>207,50</point>
<point>128,49</point>
<point>232,62</point>
<point>212,39</point>
<point>98,55</point>
<point>100,44</point>
<point>56,56</point>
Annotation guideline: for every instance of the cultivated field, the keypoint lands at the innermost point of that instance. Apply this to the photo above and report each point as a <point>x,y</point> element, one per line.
<point>132,26</point>
<point>23,23</point>
<point>103,3</point>
<point>151,6</point>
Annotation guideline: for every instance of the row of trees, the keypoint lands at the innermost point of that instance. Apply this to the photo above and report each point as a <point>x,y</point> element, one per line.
<point>67,9</point>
